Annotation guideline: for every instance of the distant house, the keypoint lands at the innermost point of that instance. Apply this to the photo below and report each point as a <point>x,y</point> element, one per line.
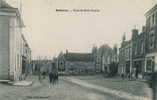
<point>77,63</point>
<point>40,65</point>
<point>105,57</point>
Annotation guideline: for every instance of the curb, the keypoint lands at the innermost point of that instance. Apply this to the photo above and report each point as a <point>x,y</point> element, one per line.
<point>21,83</point>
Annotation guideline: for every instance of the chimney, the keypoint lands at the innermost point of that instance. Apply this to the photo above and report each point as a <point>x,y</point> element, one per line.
<point>134,33</point>
<point>143,29</point>
<point>66,51</point>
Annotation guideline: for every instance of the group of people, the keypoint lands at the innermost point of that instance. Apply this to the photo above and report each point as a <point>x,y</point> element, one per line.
<point>53,77</point>
<point>131,75</point>
<point>52,73</point>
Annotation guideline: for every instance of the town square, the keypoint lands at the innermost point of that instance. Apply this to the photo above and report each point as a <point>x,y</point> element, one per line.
<point>95,50</point>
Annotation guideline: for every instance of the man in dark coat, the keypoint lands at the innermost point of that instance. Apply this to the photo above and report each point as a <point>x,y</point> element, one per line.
<point>50,77</point>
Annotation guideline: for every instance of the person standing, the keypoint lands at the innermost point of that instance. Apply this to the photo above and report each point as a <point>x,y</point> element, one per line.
<point>50,77</point>
<point>50,73</point>
<point>136,73</point>
<point>39,76</point>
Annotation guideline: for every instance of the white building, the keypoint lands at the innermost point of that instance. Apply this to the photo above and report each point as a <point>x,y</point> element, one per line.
<point>10,42</point>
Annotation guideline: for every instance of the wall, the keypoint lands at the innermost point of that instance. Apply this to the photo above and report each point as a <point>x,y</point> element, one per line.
<point>4,47</point>
<point>15,49</point>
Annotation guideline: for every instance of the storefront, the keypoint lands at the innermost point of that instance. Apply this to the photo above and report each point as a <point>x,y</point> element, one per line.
<point>139,67</point>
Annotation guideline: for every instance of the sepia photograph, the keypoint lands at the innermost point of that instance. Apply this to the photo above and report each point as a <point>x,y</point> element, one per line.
<point>78,49</point>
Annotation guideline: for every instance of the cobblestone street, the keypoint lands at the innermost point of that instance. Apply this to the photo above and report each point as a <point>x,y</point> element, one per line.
<point>42,91</point>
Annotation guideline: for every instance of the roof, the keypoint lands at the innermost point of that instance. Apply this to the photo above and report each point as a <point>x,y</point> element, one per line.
<point>5,7</point>
<point>85,57</point>
<point>151,10</point>
<point>3,4</point>
<point>125,44</point>
<point>25,41</point>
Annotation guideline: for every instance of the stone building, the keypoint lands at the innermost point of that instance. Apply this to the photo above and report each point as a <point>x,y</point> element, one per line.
<point>11,25</point>
<point>125,57</point>
<point>144,50</point>
<point>151,40</point>
<point>77,63</point>
<point>138,52</point>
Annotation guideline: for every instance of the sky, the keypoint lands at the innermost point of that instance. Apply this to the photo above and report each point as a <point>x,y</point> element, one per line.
<point>49,32</point>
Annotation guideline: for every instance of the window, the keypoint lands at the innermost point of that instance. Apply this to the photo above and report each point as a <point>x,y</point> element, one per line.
<point>150,65</point>
<point>135,53</point>
<point>151,39</point>
<point>142,47</point>
<point>153,19</point>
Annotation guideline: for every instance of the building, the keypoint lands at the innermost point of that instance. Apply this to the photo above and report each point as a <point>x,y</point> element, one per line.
<point>138,52</point>
<point>77,63</point>
<point>61,62</point>
<point>11,25</point>
<point>125,57</point>
<point>97,61</point>
<point>26,57</point>
<point>105,57</point>
<point>151,40</point>
<point>144,50</point>
<point>40,66</point>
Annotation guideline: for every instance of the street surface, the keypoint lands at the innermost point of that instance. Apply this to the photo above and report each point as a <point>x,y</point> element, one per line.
<point>134,87</point>
<point>65,90</point>
<point>105,89</point>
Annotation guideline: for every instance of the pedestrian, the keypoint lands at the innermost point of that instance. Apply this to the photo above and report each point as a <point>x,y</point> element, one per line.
<point>122,75</point>
<point>130,76</point>
<point>136,73</point>
<point>50,78</point>
<point>44,74</point>
<point>55,78</point>
<point>39,77</point>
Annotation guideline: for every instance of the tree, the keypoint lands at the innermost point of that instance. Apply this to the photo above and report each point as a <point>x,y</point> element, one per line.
<point>115,52</point>
<point>115,49</point>
<point>94,52</point>
<point>105,53</point>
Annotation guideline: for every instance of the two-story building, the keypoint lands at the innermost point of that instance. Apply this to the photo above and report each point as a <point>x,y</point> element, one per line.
<point>77,63</point>
<point>144,48</point>
<point>11,25</point>
<point>151,40</point>
<point>125,57</point>
<point>138,52</point>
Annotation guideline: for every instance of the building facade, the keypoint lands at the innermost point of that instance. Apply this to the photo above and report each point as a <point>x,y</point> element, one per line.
<point>151,40</point>
<point>144,48</point>
<point>77,63</point>
<point>26,57</point>
<point>138,52</point>
<point>125,57</point>
<point>11,25</point>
